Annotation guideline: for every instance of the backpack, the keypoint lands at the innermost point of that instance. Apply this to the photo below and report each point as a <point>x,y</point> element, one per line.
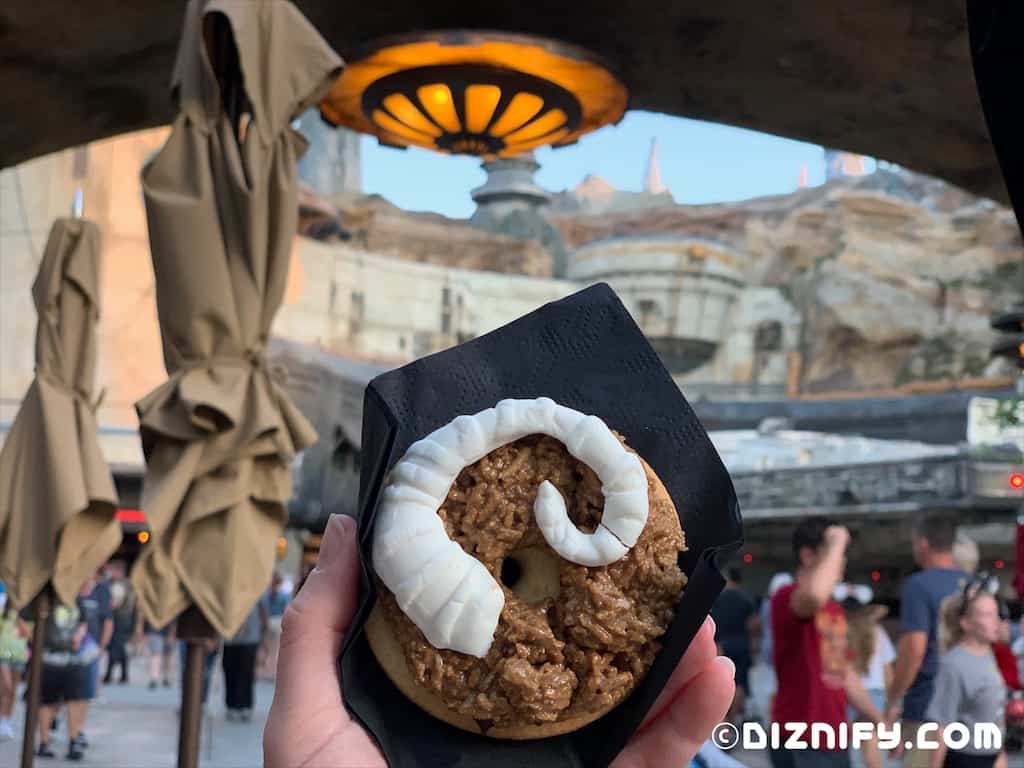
<point>59,633</point>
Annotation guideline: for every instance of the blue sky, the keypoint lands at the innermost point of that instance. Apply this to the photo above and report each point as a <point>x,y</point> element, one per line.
<point>700,162</point>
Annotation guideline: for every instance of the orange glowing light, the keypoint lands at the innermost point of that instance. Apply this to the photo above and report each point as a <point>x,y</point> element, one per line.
<point>143,537</point>
<point>488,94</point>
<point>1017,481</point>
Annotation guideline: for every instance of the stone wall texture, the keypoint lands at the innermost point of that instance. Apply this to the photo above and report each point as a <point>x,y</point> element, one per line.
<point>891,276</point>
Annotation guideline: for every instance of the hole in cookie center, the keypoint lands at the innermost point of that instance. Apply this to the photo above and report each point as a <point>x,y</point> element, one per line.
<point>532,574</point>
<point>511,572</point>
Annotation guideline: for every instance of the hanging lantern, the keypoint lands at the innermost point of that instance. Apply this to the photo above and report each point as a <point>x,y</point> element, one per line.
<point>475,93</point>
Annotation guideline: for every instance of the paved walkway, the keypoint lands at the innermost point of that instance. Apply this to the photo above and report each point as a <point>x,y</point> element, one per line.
<point>133,727</point>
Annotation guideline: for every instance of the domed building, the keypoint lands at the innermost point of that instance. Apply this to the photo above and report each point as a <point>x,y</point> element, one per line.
<point>688,294</point>
<point>680,290</point>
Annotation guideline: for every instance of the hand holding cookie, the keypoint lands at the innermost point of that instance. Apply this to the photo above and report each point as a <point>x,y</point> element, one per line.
<point>308,724</point>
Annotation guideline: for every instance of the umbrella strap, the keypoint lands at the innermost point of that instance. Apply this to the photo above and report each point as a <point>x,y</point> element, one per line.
<point>78,393</point>
<point>252,358</point>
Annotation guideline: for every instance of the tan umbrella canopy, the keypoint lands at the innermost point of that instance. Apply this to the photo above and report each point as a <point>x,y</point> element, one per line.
<point>221,199</point>
<point>57,499</point>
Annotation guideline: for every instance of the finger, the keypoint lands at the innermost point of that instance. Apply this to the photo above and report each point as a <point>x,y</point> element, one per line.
<point>701,652</point>
<point>315,623</point>
<point>676,735</point>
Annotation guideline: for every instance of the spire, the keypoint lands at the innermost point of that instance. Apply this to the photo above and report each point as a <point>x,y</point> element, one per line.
<point>652,182</point>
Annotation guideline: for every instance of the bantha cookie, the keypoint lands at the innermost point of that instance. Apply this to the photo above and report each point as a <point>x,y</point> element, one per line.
<point>527,565</point>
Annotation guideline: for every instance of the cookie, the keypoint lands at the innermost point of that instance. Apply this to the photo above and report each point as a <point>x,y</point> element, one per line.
<point>569,640</point>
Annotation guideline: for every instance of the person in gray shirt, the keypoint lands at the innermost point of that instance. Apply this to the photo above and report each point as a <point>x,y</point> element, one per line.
<point>968,687</point>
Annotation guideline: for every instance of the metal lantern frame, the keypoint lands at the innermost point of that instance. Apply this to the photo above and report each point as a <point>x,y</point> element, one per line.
<point>488,94</point>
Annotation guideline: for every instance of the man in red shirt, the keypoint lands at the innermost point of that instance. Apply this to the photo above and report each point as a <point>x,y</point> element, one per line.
<point>809,638</point>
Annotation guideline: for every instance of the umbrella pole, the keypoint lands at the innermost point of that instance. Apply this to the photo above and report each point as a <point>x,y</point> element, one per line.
<point>191,705</point>
<point>195,631</point>
<point>35,676</point>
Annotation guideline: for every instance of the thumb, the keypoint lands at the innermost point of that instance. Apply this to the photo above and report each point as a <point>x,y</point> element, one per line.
<point>315,623</point>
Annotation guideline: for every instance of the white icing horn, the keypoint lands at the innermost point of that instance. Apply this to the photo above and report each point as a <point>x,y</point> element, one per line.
<point>447,593</point>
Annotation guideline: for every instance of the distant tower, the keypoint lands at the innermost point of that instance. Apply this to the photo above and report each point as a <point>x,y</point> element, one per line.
<point>652,180</point>
<point>331,165</point>
<point>509,187</point>
<point>854,165</point>
<point>841,165</point>
<point>510,203</point>
<point>804,180</point>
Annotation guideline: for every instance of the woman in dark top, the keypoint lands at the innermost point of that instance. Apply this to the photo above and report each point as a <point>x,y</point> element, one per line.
<point>735,617</point>
<point>123,605</point>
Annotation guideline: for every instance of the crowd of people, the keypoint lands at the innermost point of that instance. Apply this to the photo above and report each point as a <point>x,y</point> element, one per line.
<point>100,633</point>
<point>823,650</point>
<point>828,656</point>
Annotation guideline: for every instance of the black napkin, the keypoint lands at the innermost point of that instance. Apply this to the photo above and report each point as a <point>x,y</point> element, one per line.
<point>586,353</point>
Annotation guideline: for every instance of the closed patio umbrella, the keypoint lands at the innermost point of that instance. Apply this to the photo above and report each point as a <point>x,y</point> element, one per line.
<point>221,201</point>
<point>57,499</point>
<point>220,434</point>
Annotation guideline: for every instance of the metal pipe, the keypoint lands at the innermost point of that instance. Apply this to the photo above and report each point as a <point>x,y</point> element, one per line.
<point>191,704</point>
<point>196,632</point>
<point>35,676</point>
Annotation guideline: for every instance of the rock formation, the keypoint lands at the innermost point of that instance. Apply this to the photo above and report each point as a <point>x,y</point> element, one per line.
<point>893,274</point>
<point>377,226</point>
<point>875,281</point>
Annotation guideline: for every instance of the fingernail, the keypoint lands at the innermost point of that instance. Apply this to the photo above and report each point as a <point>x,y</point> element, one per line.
<point>338,530</point>
<point>711,624</point>
<point>728,663</point>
